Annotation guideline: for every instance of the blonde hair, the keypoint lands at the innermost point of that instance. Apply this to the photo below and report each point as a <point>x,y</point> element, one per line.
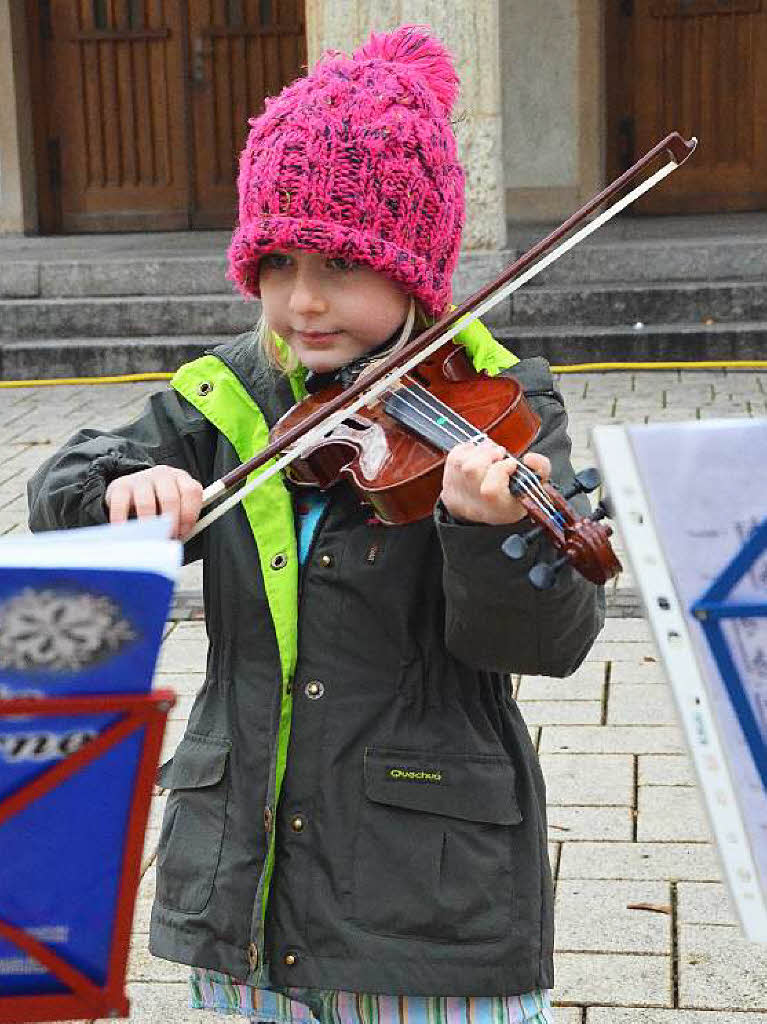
<point>280,356</point>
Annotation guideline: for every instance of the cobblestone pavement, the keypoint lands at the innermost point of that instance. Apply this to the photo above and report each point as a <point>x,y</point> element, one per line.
<point>645,934</point>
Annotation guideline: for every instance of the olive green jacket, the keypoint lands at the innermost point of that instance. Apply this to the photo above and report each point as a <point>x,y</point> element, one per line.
<point>356,801</point>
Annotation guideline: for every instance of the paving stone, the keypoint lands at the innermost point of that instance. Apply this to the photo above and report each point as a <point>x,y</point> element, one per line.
<point>646,1015</point>
<point>671,813</point>
<point>620,650</point>
<point>665,770</point>
<point>144,899</point>
<point>647,671</point>
<point>182,683</point>
<point>537,688</point>
<point>174,730</point>
<point>721,970</point>
<point>613,979</point>
<point>554,712</point>
<point>590,823</point>
<point>672,861</point>
<point>167,1002</point>
<point>568,1014</point>
<point>183,651</point>
<point>142,966</point>
<point>594,916</point>
<point>704,903</point>
<point>612,739</point>
<point>641,704</point>
<point>626,630</point>
<point>584,779</point>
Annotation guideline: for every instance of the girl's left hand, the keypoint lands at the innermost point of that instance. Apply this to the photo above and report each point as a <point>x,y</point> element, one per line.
<point>475,485</point>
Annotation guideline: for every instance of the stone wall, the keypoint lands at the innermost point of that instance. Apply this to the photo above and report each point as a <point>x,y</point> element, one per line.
<point>17,186</point>
<point>552,101</point>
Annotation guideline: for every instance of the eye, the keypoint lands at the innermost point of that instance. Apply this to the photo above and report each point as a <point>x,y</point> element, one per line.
<point>341,263</point>
<point>275,261</point>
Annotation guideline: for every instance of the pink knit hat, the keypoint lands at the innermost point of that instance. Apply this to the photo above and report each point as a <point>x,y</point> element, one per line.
<point>358,160</point>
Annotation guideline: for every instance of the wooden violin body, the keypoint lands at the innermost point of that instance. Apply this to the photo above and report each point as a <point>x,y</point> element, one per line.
<point>393,453</point>
<point>394,469</point>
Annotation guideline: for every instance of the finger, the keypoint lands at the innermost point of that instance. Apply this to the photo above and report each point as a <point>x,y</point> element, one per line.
<point>118,500</point>
<point>190,491</point>
<point>539,464</point>
<point>475,459</point>
<point>168,498</point>
<point>143,496</point>
<point>495,485</point>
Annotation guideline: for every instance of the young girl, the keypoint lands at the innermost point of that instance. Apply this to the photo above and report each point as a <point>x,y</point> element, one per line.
<point>356,824</point>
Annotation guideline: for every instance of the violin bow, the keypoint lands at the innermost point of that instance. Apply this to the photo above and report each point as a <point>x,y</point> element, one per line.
<point>294,443</point>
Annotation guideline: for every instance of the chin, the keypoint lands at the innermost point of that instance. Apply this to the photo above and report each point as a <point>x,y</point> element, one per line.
<point>320,363</point>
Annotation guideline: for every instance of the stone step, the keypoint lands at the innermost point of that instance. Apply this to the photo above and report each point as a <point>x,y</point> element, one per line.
<point>135,275</point>
<point>656,303</point>
<point>216,314</point>
<point>88,356</point>
<point>75,273</point>
<point>120,317</point>
<point>701,259</point>
<point>652,343</point>
<point>47,358</point>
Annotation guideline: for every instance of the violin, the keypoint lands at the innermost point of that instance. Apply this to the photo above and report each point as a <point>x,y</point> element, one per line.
<point>393,454</point>
<point>392,427</point>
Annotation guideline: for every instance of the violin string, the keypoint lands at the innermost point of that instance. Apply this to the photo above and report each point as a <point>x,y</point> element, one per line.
<point>476,436</point>
<point>462,430</point>
<point>527,479</point>
<point>470,433</point>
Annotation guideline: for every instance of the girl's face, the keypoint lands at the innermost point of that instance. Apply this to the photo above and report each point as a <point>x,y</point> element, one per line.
<point>328,310</point>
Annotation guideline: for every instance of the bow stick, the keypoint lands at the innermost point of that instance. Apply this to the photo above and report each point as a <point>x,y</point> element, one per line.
<point>380,377</point>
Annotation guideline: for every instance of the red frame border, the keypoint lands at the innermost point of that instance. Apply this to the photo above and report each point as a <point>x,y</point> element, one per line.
<point>89,1001</point>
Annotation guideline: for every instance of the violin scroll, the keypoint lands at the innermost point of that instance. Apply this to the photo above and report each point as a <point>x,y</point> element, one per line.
<point>583,542</point>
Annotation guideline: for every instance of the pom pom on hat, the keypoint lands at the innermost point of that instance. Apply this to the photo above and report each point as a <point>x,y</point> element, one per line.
<point>418,52</point>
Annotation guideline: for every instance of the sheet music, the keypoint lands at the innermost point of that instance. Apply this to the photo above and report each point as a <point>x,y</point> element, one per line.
<point>706,483</point>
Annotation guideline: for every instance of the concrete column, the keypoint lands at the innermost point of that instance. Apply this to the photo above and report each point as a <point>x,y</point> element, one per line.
<point>470,30</point>
<point>18,208</point>
<point>553,106</point>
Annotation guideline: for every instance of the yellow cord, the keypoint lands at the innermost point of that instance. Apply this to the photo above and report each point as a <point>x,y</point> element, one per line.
<point>712,364</point>
<point>127,378</point>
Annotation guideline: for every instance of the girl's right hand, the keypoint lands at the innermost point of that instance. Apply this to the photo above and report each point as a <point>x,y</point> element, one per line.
<point>161,490</point>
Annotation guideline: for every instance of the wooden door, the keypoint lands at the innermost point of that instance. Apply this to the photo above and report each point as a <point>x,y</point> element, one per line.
<point>116,139</point>
<point>698,66</point>
<point>241,52</point>
<point>143,106</point>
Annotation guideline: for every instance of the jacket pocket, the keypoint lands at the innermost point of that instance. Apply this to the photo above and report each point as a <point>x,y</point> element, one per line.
<point>193,824</point>
<point>433,852</point>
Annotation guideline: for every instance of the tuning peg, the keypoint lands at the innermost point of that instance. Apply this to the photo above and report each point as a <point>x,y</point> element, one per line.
<point>608,509</point>
<point>585,482</point>
<point>516,545</point>
<point>543,576</point>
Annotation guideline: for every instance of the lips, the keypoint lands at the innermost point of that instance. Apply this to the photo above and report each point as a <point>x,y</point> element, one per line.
<point>316,338</point>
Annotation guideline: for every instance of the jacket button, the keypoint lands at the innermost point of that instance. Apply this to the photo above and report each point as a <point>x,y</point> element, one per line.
<point>268,819</point>
<point>314,689</point>
<point>253,956</point>
<point>291,959</point>
<point>279,561</point>
<point>326,561</point>
<point>204,388</point>
<point>297,823</point>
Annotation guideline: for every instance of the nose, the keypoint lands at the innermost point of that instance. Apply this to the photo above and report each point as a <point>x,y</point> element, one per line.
<point>306,295</point>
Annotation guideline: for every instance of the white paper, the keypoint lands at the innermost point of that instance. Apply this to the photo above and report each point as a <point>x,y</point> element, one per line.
<point>141,545</point>
<point>707,487</point>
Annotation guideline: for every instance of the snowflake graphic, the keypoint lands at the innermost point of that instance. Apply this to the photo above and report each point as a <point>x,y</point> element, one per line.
<point>59,630</point>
